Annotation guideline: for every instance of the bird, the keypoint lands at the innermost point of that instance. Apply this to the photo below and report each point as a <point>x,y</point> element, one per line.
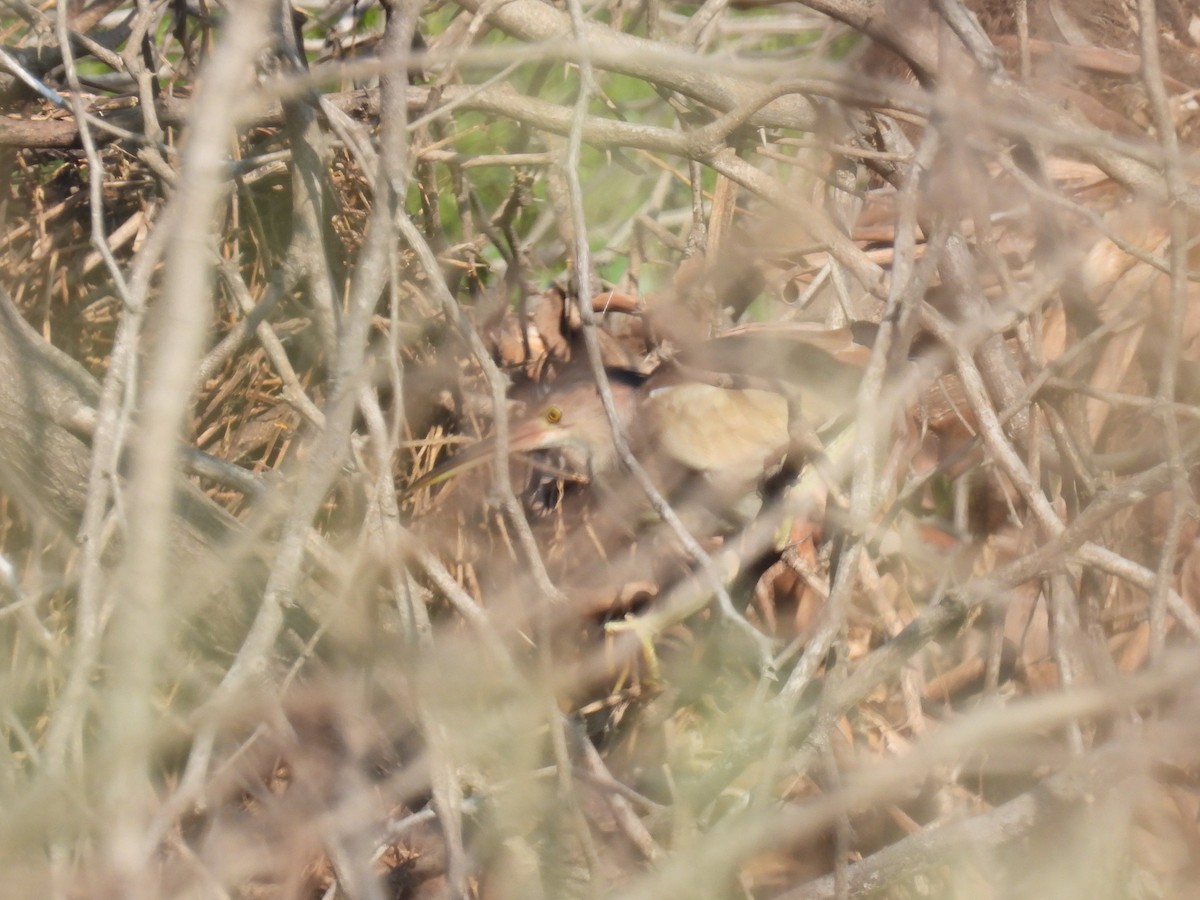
<point>687,423</point>
<point>720,411</point>
<point>724,437</point>
<point>718,446</point>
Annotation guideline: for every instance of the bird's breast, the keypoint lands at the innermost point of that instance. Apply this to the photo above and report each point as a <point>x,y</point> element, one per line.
<point>717,431</point>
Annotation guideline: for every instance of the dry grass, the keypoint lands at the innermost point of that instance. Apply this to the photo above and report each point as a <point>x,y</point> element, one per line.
<point>949,653</point>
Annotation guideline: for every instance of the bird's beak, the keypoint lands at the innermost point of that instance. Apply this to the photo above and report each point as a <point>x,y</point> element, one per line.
<point>522,438</point>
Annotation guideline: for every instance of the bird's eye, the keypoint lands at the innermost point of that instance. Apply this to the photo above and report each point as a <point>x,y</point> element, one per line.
<point>553,415</point>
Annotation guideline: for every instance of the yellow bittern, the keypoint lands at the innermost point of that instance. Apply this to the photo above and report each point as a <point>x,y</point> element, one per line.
<point>726,434</point>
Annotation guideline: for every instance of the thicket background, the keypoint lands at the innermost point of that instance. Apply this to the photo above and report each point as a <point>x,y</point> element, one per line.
<point>264,266</point>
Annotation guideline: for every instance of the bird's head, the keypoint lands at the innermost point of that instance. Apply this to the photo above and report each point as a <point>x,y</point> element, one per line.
<point>570,418</point>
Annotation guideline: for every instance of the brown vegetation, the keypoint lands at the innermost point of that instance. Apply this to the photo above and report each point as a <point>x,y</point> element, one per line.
<point>885,585</point>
